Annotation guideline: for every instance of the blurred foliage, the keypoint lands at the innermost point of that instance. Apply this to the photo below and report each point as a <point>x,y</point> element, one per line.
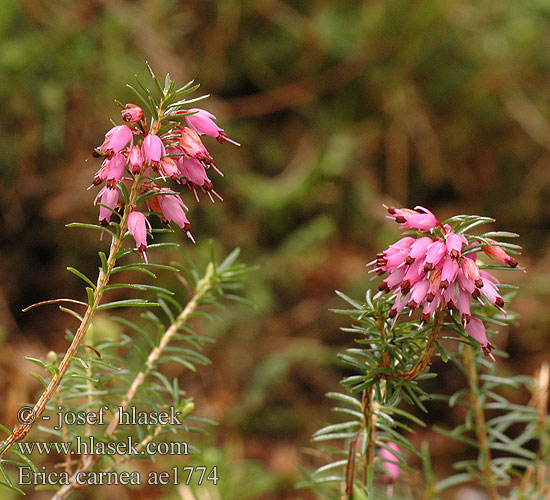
<point>339,106</point>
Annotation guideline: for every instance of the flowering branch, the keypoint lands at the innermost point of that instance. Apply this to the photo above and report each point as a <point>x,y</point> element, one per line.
<point>432,280</point>
<point>165,149</point>
<point>104,274</point>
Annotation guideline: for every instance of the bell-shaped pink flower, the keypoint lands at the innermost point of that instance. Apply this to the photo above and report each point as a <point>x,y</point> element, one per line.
<point>192,147</point>
<point>202,122</point>
<point>168,168</point>
<point>153,149</point>
<point>449,271</point>
<point>471,271</point>
<point>109,198</point>
<point>464,303</point>
<point>413,219</point>
<point>419,247</point>
<point>115,169</point>
<point>116,139</point>
<point>497,253</point>
<point>490,290</point>
<point>454,244</point>
<point>194,174</point>
<point>173,209</point>
<point>137,226</point>
<point>132,113</point>
<point>476,329</point>
<point>418,293</point>
<point>449,296</point>
<point>135,160</point>
<point>435,252</point>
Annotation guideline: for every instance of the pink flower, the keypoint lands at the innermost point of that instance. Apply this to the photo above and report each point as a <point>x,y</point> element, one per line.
<point>115,169</point>
<point>391,461</point>
<point>497,253</point>
<point>476,329</point>
<point>464,302</point>
<point>153,149</point>
<point>132,113</point>
<point>413,219</point>
<point>448,272</point>
<point>168,168</point>
<point>419,247</point>
<point>202,122</point>
<point>116,139</point>
<point>137,226</point>
<point>435,252</point>
<point>431,272</point>
<point>112,170</point>
<point>191,145</point>
<point>109,197</point>
<point>471,272</point>
<point>195,175</point>
<point>454,244</point>
<point>135,160</point>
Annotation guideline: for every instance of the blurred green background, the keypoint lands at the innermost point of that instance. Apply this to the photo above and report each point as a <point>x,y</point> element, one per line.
<point>340,107</point>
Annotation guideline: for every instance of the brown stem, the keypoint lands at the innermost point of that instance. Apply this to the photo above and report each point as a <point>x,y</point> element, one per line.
<point>370,427</point>
<point>480,424</point>
<point>425,357</point>
<point>103,279</point>
<point>90,460</point>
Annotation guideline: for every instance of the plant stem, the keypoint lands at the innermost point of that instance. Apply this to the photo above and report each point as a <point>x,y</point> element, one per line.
<point>480,423</point>
<point>89,461</point>
<point>427,353</point>
<point>370,427</point>
<point>202,287</point>
<point>102,281</point>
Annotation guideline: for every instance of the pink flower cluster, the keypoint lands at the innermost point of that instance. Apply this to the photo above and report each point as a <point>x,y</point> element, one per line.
<point>432,270</point>
<point>131,150</point>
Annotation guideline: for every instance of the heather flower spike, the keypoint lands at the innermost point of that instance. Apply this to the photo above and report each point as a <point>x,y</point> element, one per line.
<point>149,154</point>
<point>436,269</point>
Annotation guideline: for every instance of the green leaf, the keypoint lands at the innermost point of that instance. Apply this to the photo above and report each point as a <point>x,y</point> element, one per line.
<point>39,362</point>
<point>82,276</point>
<point>355,304</point>
<point>103,259</point>
<point>181,361</point>
<point>91,298</point>
<point>350,425</point>
<point>142,99</point>
<point>11,486</point>
<point>91,226</point>
<point>344,398</point>
<point>41,379</point>
<point>127,303</point>
<point>138,286</point>
<point>451,481</point>
<point>144,267</point>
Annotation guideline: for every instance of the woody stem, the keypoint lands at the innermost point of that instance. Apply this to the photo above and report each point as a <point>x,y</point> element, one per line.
<point>102,281</point>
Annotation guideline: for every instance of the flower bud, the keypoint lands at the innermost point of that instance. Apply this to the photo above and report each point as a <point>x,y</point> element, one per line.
<point>132,114</point>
